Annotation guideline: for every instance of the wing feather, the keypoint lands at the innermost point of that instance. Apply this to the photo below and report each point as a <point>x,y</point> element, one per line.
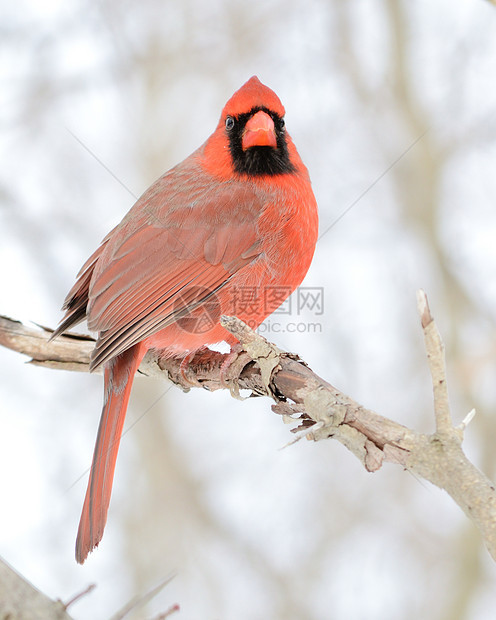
<point>161,314</point>
<point>157,268</point>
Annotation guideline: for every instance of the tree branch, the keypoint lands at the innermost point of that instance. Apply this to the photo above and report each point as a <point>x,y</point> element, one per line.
<point>435,354</point>
<point>320,410</point>
<point>19,599</point>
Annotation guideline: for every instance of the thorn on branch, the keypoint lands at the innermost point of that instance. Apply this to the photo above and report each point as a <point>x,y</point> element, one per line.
<point>423,308</point>
<point>466,421</point>
<point>307,432</point>
<point>168,613</point>
<point>76,597</point>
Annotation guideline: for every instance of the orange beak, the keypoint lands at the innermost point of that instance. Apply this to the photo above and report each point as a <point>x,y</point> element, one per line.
<point>259,131</point>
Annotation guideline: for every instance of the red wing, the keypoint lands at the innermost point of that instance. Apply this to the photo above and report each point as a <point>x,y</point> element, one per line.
<point>150,276</point>
<point>76,300</point>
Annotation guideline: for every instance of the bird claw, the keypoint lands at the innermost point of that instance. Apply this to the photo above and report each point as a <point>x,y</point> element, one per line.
<point>183,368</point>
<point>259,350</point>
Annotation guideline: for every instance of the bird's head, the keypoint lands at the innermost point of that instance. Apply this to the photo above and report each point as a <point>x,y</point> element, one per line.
<point>251,137</point>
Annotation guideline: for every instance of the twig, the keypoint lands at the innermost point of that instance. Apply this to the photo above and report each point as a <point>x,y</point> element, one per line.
<point>80,595</point>
<point>139,601</point>
<point>167,613</point>
<point>435,357</point>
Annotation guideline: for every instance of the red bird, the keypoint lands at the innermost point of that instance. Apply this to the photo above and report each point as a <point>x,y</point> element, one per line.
<point>236,220</point>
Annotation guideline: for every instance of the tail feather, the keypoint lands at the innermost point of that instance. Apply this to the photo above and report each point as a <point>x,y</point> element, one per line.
<point>119,374</point>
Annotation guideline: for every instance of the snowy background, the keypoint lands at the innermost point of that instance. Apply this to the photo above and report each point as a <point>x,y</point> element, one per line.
<point>392,102</point>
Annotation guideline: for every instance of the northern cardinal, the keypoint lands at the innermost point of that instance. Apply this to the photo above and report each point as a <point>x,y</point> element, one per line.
<point>230,230</point>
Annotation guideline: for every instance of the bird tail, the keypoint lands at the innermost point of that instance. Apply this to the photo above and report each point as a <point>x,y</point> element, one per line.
<point>119,375</point>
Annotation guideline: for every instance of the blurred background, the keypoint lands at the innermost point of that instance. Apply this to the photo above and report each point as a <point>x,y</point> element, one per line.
<point>392,107</point>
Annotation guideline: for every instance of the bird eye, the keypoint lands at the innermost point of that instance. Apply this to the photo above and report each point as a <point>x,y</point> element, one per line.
<point>229,122</point>
<point>282,124</point>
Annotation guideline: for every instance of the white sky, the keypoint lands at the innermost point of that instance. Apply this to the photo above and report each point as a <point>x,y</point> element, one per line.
<point>60,69</point>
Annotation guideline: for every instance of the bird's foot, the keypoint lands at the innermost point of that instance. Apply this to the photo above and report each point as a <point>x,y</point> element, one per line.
<point>188,378</point>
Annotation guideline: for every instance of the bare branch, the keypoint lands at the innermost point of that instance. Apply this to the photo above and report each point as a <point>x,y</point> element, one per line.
<point>80,595</point>
<point>320,410</point>
<point>166,614</point>
<point>435,356</point>
<point>141,600</point>
<point>19,599</point>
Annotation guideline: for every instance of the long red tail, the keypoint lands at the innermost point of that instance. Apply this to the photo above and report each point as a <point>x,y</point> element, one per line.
<point>119,375</point>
